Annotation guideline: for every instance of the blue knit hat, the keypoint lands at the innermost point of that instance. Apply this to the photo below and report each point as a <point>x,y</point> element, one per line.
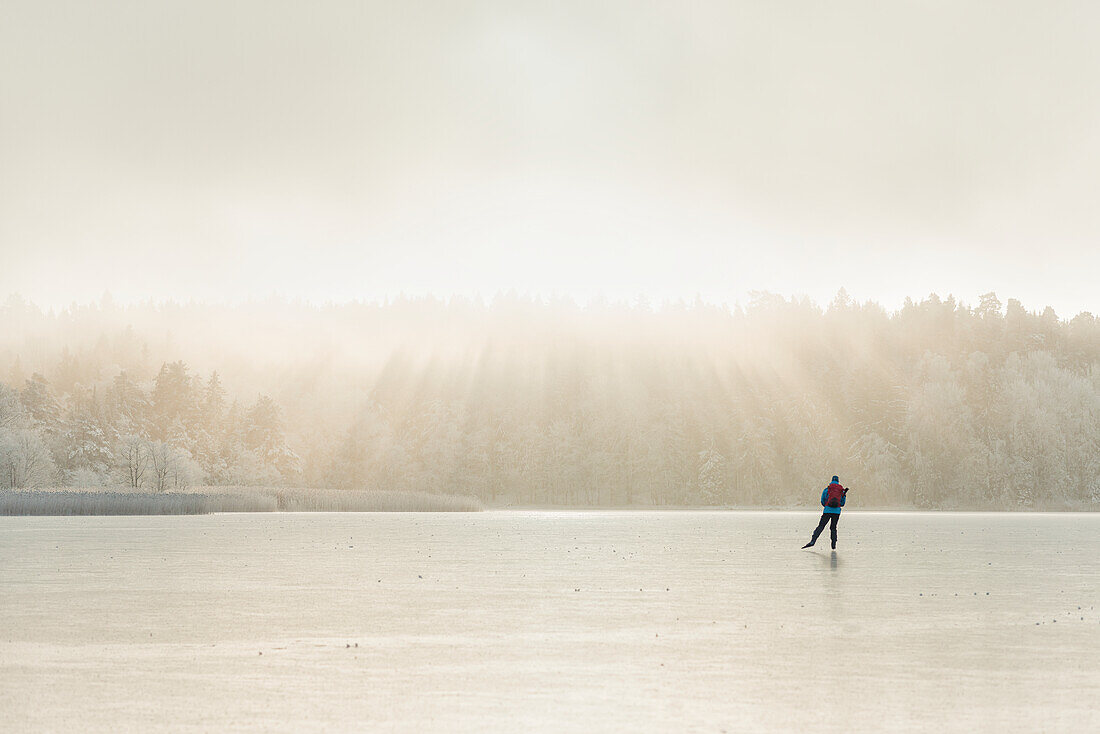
<point>836,478</point>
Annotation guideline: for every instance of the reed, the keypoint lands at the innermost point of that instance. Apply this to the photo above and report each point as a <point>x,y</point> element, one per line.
<point>206,500</point>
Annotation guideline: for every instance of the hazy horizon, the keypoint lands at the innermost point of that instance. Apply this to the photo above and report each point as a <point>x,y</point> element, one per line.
<point>108,299</point>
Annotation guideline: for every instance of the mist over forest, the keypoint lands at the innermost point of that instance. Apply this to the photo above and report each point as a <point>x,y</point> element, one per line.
<point>525,401</point>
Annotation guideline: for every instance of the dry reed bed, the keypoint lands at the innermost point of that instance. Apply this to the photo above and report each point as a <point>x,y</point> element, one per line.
<point>225,499</point>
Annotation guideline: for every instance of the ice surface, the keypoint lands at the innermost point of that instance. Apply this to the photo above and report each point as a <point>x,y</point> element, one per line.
<point>543,621</point>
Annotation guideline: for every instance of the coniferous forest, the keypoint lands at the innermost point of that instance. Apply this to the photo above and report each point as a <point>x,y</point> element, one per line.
<point>523,401</point>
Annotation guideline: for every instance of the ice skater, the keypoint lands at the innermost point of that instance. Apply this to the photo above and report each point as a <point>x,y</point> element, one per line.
<point>832,499</point>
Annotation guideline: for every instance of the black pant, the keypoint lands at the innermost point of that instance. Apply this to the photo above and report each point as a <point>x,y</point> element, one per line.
<point>826,517</point>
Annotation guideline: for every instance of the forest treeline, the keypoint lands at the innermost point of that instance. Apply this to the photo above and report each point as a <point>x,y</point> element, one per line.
<point>525,401</point>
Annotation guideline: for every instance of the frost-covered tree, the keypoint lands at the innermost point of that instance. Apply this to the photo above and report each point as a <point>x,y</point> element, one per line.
<point>89,443</point>
<point>213,404</point>
<point>41,407</point>
<point>132,459</point>
<point>25,459</point>
<point>265,436</point>
<point>174,399</point>
<point>711,479</point>
<point>127,404</point>
<point>11,409</point>
<point>169,467</point>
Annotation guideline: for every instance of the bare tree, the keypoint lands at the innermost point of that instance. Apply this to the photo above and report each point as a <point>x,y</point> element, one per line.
<point>169,466</point>
<point>133,459</point>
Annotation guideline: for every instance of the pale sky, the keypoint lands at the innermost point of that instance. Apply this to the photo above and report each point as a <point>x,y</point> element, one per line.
<point>337,150</point>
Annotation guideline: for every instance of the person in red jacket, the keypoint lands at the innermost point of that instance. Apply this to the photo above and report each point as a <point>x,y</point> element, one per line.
<point>832,499</point>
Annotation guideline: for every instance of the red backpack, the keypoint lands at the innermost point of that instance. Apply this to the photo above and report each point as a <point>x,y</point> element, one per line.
<point>834,495</point>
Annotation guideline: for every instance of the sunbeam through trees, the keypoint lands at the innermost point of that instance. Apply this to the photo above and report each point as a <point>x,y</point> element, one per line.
<point>528,402</point>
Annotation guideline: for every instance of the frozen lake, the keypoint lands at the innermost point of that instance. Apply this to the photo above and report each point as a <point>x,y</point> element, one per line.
<point>548,621</point>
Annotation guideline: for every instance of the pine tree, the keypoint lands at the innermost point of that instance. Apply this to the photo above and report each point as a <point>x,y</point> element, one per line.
<point>42,407</point>
<point>213,405</point>
<point>174,399</point>
<point>265,437</point>
<point>127,405</point>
